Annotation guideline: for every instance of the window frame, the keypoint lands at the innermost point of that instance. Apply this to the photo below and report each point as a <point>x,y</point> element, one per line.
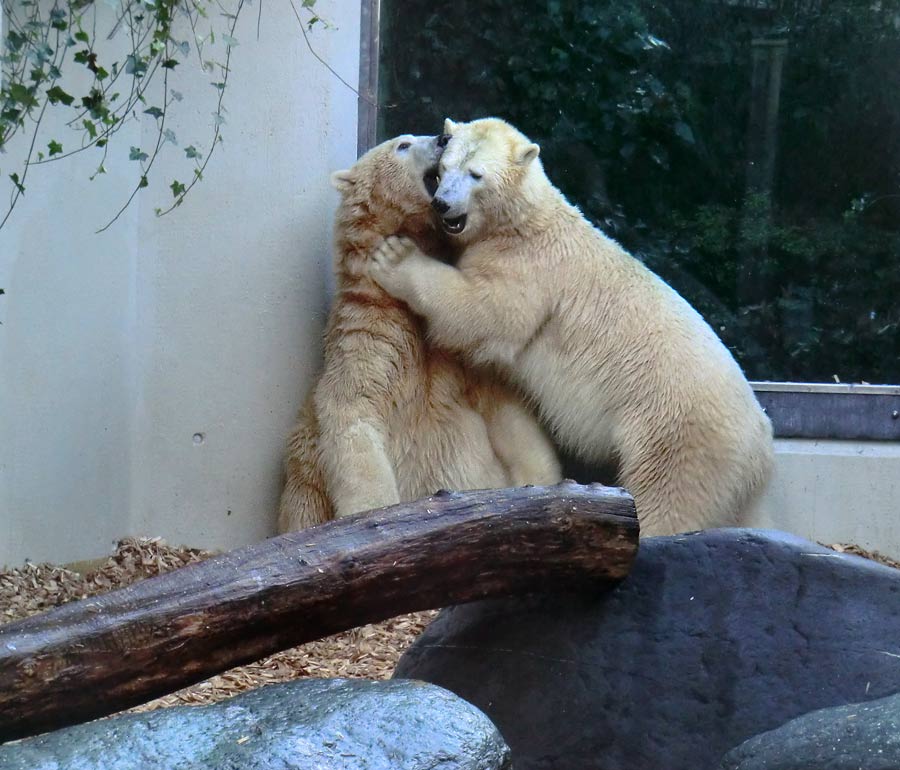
<point>803,410</point>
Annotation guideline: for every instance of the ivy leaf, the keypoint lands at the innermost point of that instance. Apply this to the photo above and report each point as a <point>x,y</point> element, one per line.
<point>17,183</point>
<point>177,188</point>
<point>58,19</point>
<point>82,37</point>
<point>143,183</point>
<point>55,147</point>
<point>220,85</point>
<point>170,64</point>
<point>57,94</point>
<point>22,95</point>
<point>101,143</point>
<point>136,154</point>
<point>134,65</point>
<point>100,170</point>
<point>191,152</point>
<point>90,128</point>
<point>95,102</point>
<point>156,112</point>
<point>169,135</point>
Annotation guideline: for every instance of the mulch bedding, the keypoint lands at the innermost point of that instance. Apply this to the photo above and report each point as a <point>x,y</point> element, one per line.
<point>369,652</point>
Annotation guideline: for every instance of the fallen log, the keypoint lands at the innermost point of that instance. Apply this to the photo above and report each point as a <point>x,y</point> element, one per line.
<point>100,655</point>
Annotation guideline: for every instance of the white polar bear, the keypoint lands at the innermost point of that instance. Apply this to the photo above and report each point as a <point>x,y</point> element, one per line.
<point>620,365</point>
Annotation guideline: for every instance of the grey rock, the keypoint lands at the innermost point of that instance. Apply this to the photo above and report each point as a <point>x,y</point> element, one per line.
<point>861,736</point>
<point>318,724</point>
<point>713,638</point>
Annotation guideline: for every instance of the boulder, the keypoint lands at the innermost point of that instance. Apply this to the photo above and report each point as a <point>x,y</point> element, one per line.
<point>713,638</point>
<point>327,724</point>
<point>861,736</point>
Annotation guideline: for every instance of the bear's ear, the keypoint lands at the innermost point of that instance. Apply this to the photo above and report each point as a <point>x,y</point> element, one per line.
<point>527,153</point>
<point>342,181</point>
<point>449,126</point>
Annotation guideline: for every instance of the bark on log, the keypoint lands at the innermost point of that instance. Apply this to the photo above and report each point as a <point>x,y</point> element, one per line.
<point>100,655</point>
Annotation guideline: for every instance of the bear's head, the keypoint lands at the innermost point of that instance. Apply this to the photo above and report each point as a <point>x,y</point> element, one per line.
<point>388,191</point>
<point>484,167</point>
<point>395,178</point>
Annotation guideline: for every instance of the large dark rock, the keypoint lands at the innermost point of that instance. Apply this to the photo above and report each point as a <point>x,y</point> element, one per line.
<point>330,724</point>
<point>861,736</point>
<point>715,637</point>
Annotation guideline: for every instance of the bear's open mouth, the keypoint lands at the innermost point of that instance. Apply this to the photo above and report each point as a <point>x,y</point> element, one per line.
<point>454,225</point>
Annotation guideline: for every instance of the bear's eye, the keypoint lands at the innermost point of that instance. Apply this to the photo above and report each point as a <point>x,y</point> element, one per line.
<point>475,175</point>
<point>403,146</point>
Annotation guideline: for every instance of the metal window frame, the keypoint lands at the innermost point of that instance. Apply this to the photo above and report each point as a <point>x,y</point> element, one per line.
<point>369,42</point>
<point>797,409</point>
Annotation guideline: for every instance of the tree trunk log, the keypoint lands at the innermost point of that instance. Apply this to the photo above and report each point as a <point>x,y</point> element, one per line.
<point>100,655</point>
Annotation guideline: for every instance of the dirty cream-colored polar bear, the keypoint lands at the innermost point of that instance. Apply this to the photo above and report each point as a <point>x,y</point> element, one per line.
<point>391,418</point>
<point>621,366</point>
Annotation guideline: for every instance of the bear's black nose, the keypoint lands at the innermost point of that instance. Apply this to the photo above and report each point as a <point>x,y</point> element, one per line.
<point>443,140</point>
<point>440,206</point>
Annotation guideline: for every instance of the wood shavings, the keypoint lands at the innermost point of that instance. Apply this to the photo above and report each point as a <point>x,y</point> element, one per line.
<point>369,652</point>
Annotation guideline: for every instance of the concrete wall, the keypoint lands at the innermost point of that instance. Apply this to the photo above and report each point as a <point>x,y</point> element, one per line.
<point>149,374</point>
<point>836,492</point>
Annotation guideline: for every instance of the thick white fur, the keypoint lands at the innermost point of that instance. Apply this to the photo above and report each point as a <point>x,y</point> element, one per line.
<point>620,365</point>
<point>392,418</point>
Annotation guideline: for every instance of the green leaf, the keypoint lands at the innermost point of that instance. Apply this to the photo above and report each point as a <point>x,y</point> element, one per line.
<point>135,65</point>
<point>82,37</point>
<point>55,147</point>
<point>100,170</point>
<point>90,128</point>
<point>191,152</point>
<point>57,94</point>
<point>220,85</point>
<point>101,143</point>
<point>17,183</point>
<point>136,154</point>
<point>156,112</point>
<point>177,188</point>
<point>22,95</point>
<point>82,56</point>
<point>170,64</point>
<point>169,136</point>
<point>143,183</point>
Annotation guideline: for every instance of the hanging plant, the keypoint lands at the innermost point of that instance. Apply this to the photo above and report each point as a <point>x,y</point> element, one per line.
<point>60,59</point>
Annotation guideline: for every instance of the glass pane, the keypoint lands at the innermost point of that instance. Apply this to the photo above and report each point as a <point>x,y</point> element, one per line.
<point>748,152</point>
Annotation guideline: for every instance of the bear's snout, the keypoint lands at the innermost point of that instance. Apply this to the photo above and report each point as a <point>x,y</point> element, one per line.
<point>440,205</point>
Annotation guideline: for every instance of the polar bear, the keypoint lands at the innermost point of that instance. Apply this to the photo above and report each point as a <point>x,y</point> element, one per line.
<point>620,365</point>
<point>392,418</point>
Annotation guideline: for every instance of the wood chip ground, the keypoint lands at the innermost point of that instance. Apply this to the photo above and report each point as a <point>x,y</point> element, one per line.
<point>369,652</point>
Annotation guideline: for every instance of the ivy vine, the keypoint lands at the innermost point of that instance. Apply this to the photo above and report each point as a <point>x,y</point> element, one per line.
<point>57,58</point>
